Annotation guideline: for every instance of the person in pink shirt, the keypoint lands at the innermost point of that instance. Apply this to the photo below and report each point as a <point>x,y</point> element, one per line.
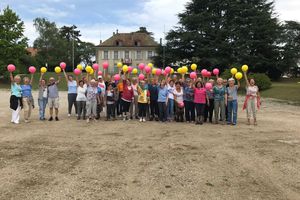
<point>200,99</point>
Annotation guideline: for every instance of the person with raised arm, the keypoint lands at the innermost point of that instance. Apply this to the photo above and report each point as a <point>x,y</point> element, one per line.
<point>179,105</point>
<point>27,99</point>
<point>93,98</point>
<point>53,97</point>
<point>81,99</point>
<point>153,89</point>
<point>188,98</point>
<point>200,100</point>
<point>127,96</point>
<point>15,98</point>
<point>134,107</point>
<point>231,100</point>
<point>170,105</point>
<point>143,100</point>
<point>42,97</point>
<point>72,93</point>
<point>252,101</point>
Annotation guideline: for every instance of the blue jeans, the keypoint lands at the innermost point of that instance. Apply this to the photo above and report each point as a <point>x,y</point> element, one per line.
<point>232,107</point>
<point>42,106</point>
<point>170,109</point>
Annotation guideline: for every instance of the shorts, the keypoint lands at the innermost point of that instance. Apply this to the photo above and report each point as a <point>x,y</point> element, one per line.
<point>53,102</point>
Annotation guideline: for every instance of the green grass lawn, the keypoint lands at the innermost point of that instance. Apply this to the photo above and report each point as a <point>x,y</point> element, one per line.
<point>284,90</point>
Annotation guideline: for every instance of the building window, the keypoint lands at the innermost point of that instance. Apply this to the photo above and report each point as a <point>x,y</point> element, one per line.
<point>116,55</point>
<point>105,56</point>
<point>139,55</point>
<point>126,54</point>
<point>137,43</point>
<point>118,43</point>
<point>150,55</point>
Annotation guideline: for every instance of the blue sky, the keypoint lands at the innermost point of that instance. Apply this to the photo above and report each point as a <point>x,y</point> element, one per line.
<point>97,19</point>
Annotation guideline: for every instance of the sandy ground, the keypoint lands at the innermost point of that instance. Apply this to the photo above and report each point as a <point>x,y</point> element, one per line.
<point>117,160</point>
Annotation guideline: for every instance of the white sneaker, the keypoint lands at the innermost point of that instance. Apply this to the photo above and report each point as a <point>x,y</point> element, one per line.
<point>124,118</point>
<point>88,120</point>
<point>144,120</point>
<point>141,119</point>
<point>69,115</point>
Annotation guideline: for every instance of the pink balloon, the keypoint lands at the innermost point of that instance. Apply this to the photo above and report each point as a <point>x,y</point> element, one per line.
<point>105,65</point>
<point>148,69</point>
<point>181,105</point>
<point>193,75</point>
<point>130,69</point>
<point>165,73</point>
<point>141,66</point>
<point>168,70</point>
<point>216,71</point>
<point>208,86</point>
<point>95,66</point>
<point>158,72</point>
<point>32,69</point>
<point>117,77</point>
<point>208,74</point>
<point>11,68</point>
<point>203,72</point>
<point>77,71</point>
<point>63,65</point>
<point>100,73</point>
<point>141,77</point>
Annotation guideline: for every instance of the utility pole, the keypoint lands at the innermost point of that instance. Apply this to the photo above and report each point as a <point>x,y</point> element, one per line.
<point>164,49</point>
<point>73,50</point>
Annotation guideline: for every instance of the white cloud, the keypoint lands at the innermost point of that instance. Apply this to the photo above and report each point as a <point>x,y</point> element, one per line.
<point>288,9</point>
<point>30,31</point>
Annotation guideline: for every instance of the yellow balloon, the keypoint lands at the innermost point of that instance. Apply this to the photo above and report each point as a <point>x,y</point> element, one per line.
<point>245,68</point>
<point>125,68</point>
<point>193,67</point>
<point>233,71</point>
<point>154,71</point>
<point>88,69</point>
<point>184,69</point>
<point>172,71</point>
<point>119,64</point>
<point>43,70</point>
<point>238,75</point>
<point>79,67</point>
<point>91,72</point>
<point>150,65</point>
<point>57,70</point>
<point>135,71</point>
<point>179,70</point>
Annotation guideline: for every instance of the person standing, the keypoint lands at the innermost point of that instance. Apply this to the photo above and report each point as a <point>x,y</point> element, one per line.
<point>219,101</point>
<point>231,101</point>
<point>15,98</point>
<point>27,99</point>
<point>162,101</point>
<point>42,97</point>
<point>53,97</point>
<point>143,100</point>
<point>72,93</point>
<point>153,89</point>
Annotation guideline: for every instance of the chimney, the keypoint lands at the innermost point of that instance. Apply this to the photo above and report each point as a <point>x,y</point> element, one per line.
<point>117,31</point>
<point>114,33</point>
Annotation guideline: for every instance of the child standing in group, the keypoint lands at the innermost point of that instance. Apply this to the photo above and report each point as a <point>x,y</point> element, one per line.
<point>179,105</point>
<point>143,100</point>
<point>231,101</point>
<point>27,99</point>
<point>252,101</point>
<point>162,101</point>
<point>219,100</point>
<point>42,97</point>
<point>15,98</point>
<point>200,100</point>
<point>110,102</point>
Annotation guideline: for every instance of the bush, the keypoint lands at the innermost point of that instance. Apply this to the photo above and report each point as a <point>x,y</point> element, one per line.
<point>262,81</point>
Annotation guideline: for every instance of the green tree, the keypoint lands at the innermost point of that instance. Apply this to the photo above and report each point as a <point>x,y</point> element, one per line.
<point>291,49</point>
<point>222,33</point>
<point>12,41</point>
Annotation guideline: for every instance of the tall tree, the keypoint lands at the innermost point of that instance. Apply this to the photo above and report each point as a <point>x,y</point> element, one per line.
<point>291,49</point>
<point>12,40</point>
<point>227,32</point>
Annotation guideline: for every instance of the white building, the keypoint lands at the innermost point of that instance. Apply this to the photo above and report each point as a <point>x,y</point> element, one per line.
<point>128,48</point>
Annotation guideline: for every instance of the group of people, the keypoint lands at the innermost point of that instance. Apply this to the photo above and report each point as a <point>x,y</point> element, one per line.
<point>164,99</point>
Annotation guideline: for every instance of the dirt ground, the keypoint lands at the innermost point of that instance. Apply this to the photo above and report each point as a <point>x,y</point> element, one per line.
<point>117,160</point>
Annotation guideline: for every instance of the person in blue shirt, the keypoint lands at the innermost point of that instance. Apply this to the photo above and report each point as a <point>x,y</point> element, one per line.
<point>153,89</point>
<point>162,101</point>
<point>27,99</point>
<point>72,93</point>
